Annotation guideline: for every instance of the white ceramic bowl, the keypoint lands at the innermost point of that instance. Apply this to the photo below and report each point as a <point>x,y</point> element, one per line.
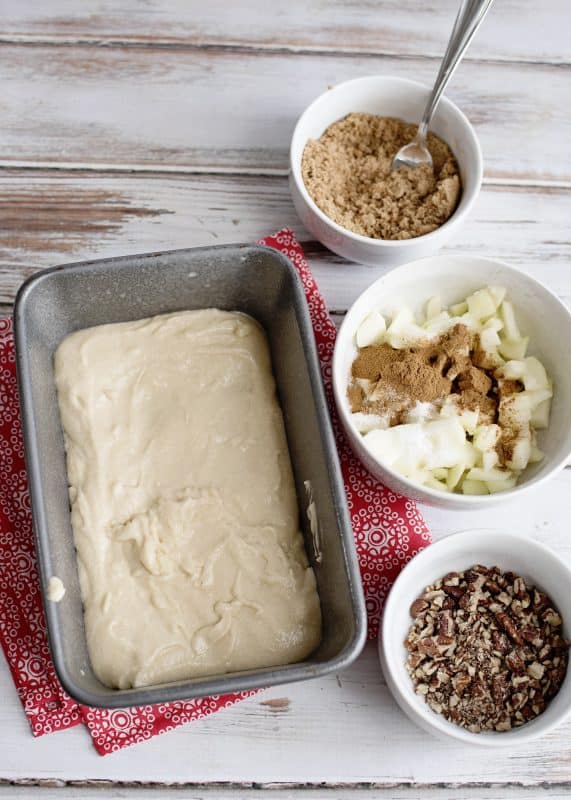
<point>525,557</point>
<point>540,314</point>
<point>393,97</point>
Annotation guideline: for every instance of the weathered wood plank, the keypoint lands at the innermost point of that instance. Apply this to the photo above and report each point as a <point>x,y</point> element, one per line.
<point>86,790</point>
<point>57,217</point>
<point>223,109</point>
<point>513,30</point>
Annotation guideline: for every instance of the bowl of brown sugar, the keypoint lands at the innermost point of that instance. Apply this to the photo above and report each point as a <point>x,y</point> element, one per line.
<point>341,180</point>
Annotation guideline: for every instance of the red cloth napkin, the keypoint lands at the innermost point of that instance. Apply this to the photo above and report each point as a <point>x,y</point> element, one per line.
<point>388,532</point>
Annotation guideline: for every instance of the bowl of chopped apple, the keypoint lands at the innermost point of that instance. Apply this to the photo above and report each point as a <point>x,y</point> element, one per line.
<point>452,379</point>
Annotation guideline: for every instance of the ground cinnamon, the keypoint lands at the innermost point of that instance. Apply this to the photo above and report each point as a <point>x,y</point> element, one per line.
<point>390,382</point>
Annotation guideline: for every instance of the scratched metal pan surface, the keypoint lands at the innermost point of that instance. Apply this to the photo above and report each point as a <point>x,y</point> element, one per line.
<point>258,281</point>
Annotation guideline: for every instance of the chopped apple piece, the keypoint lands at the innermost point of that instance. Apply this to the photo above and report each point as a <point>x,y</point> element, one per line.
<point>446,443</point>
<point>430,445</point>
<point>481,304</point>
<point>371,330</point>
<point>422,412</point>
<point>490,459</point>
<point>413,474</point>
<point>486,437</point>
<point>495,323</point>
<point>368,422</point>
<point>501,486</point>
<point>449,407</point>
<point>433,483</point>
<point>540,415</point>
<point>470,455</point>
<point>438,324</point>
<point>535,376</point>
<point>454,476</point>
<point>489,359</point>
<point>440,474</point>
<point>510,325</point>
<point>498,293</point>
<point>537,396</point>
<point>469,320</point>
<point>521,452</point>
<point>383,444</point>
<point>512,370</point>
<point>458,309</point>
<point>514,411</point>
<point>536,455</point>
<point>474,487</point>
<point>480,474</point>
<point>403,314</point>
<point>514,348</point>
<point>469,420</point>
<point>489,340</point>
<point>404,332</point>
<point>433,308</point>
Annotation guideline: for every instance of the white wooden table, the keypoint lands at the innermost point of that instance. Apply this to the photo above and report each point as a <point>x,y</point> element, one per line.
<point>128,126</point>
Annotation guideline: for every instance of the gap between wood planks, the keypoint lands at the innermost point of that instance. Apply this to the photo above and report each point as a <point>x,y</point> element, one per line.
<point>315,788</point>
<point>172,43</point>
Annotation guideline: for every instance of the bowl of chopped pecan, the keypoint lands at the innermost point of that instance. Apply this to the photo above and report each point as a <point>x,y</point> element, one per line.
<point>475,637</point>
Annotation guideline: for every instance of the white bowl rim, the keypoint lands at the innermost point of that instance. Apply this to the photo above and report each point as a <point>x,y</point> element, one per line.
<point>457,215</point>
<point>431,720</point>
<point>462,500</point>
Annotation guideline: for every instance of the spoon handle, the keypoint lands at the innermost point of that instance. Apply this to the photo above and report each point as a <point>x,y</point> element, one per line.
<point>469,19</point>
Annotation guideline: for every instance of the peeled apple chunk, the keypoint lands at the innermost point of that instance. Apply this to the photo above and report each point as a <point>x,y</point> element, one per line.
<point>468,417</point>
<point>371,330</point>
<point>434,483</point>
<point>486,437</point>
<point>458,309</point>
<point>493,474</point>
<point>498,294</point>
<point>512,370</point>
<point>511,329</point>
<point>514,348</point>
<point>501,486</point>
<point>495,323</point>
<point>481,304</point>
<point>536,396</point>
<point>438,324</point>
<point>514,411</point>
<point>521,453</point>
<point>474,487</point>
<point>454,476</point>
<point>534,376</point>
<point>490,459</point>
<point>536,454</point>
<point>489,339</point>
<point>368,422</point>
<point>404,331</point>
<point>412,447</point>
<point>433,307</point>
<point>540,415</point>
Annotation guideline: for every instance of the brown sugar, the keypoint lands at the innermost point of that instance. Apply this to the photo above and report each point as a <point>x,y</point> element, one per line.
<point>347,172</point>
<point>475,379</point>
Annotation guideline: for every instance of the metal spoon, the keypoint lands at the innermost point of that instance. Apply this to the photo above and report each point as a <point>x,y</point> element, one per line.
<point>469,19</point>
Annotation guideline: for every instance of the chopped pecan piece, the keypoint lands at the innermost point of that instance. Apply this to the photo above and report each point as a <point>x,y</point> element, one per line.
<point>506,622</point>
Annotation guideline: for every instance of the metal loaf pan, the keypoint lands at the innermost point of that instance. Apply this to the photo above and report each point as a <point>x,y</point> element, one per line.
<point>253,279</point>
